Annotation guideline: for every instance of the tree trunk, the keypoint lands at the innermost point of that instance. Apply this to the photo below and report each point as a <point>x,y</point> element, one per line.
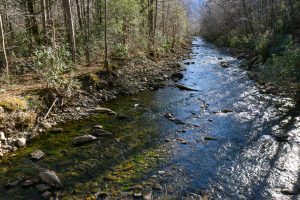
<point>79,14</point>
<point>150,24</point>
<point>163,17</point>
<point>32,22</point>
<point>70,27</point>
<point>87,33</point>
<point>3,45</point>
<point>105,37</point>
<point>248,19</point>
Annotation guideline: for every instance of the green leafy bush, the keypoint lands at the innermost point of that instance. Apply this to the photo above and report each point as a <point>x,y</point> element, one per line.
<point>262,45</point>
<point>51,63</point>
<point>284,67</point>
<point>120,51</point>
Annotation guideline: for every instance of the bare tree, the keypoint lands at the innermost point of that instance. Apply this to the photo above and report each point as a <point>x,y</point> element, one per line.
<point>3,45</point>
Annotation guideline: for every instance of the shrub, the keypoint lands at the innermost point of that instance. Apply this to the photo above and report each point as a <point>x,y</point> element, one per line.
<point>51,63</point>
<point>284,67</point>
<point>26,119</point>
<point>262,45</point>
<point>120,51</point>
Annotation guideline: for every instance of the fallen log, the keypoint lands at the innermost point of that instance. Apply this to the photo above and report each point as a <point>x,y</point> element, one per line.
<point>183,87</point>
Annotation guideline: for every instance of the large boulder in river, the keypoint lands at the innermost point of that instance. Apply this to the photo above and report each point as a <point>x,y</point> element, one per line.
<point>177,76</point>
<point>50,178</point>
<point>83,139</point>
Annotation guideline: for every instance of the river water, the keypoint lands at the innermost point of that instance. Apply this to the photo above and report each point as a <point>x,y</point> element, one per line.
<point>227,148</point>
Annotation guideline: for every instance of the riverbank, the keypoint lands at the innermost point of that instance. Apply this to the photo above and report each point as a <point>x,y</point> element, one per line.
<point>27,113</point>
<point>250,62</point>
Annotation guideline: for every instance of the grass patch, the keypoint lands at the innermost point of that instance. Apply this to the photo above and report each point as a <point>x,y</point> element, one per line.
<point>12,103</point>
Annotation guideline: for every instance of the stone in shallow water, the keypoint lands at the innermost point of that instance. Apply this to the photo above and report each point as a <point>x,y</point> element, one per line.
<point>157,186</point>
<point>47,195</point>
<point>42,187</point>
<point>101,133</point>
<point>209,138</point>
<point>57,130</point>
<point>50,178</point>
<point>98,126</point>
<point>36,155</point>
<point>28,183</point>
<point>11,184</point>
<point>83,139</point>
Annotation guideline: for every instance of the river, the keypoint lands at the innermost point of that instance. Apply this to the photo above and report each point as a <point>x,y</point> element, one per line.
<point>227,147</point>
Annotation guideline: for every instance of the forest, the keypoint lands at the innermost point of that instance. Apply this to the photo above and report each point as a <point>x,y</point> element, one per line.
<point>268,29</point>
<point>78,33</point>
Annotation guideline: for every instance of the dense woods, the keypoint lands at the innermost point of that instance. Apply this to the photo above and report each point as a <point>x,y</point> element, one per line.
<point>269,29</point>
<point>50,36</point>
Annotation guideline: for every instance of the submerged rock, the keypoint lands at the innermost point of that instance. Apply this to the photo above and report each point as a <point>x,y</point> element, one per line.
<point>47,195</point>
<point>100,133</point>
<point>224,64</point>
<point>28,183</point>
<point>282,138</point>
<point>50,178</point>
<point>36,155</point>
<point>57,130</point>
<point>12,184</point>
<point>98,127</point>
<point>170,117</point>
<point>157,186</point>
<point>101,110</point>
<point>83,139</point>
<point>42,187</point>
<point>122,117</point>
<point>209,138</point>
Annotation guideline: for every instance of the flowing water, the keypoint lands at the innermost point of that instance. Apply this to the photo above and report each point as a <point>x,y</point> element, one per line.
<point>227,148</point>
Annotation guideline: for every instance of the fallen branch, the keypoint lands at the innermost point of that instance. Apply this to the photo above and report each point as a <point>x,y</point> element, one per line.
<point>51,108</point>
<point>182,87</point>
